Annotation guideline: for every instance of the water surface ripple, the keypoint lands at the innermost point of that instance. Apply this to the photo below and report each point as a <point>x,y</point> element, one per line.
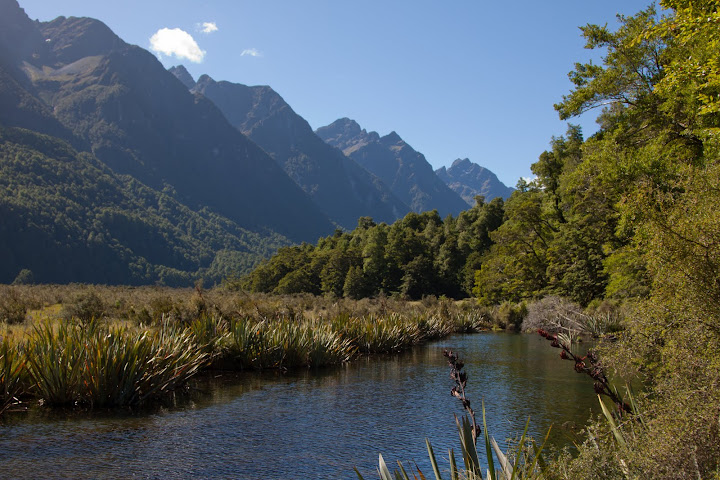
<point>309,425</point>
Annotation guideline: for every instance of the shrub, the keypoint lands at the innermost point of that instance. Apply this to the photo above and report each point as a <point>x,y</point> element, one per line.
<point>12,306</point>
<point>553,314</point>
<point>85,307</point>
<point>511,315</point>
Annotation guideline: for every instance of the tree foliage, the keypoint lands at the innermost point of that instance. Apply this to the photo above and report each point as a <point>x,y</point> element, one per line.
<point>418,255</point>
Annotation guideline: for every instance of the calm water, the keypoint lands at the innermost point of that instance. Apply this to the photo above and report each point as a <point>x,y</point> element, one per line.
<point>309,425</point>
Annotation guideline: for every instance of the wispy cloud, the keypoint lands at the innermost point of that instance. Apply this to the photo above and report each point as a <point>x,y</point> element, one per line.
<point>178,43</point>
<point>253,52</point>
<point>208,27</point>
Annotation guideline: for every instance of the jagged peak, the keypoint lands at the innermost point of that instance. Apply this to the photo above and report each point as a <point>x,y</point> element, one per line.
<point>346,122</point>
<point>391,137</point>
<point>183,75</point>
<point>205,79</point>
<point>461,162</point>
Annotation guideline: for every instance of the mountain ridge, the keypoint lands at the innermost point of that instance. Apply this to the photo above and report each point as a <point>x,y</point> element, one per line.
<point>405,170</point>
<point>340,187</point>
<point>220,203</point>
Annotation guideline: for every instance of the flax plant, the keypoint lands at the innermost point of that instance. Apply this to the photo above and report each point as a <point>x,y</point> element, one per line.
<point>12,367</point>
<point>379,334</point>
<point>99,366</point>
<point>287,343</point>
<point>55,362</point>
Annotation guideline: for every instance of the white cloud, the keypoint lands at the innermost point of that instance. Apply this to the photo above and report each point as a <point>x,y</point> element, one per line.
<point>208,27</point>
<point>178,43</point>
<point>253,52</point>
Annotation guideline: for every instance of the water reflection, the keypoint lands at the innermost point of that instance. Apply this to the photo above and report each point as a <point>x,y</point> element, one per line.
<point>310,425</point>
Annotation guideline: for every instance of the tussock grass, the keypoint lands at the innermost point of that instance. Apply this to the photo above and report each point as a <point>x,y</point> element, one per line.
<point>115,346</point>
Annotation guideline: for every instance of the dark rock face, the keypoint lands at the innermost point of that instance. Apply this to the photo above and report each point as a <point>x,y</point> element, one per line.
<point>347,135</point>
<point>470,180</point>
<point>404,170</point>
<point>341,188</point>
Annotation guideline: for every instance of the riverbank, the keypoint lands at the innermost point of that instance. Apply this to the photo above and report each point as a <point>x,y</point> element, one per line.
<point>118,346</point>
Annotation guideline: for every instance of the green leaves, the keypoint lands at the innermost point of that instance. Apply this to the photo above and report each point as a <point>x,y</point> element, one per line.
<point>99,366</point>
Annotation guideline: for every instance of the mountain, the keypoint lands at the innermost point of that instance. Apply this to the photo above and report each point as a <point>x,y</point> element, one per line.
<point>404,170</point>
<point>72,219</point>
<point>140,120</point>
<point>183,75</point>
<point>339,187</point>
<point>470,179</point>
<point>192,189</point>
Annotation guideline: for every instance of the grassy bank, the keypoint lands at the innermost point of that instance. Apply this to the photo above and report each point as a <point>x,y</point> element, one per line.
<point>115,346</point>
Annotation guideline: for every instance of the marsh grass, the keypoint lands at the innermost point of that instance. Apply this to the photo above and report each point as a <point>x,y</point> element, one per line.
<point>131,345</point>
<point>92,364</point>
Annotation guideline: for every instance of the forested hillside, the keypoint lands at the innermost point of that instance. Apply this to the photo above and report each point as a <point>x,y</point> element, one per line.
<point>112,172</point>
<point>66,217</point>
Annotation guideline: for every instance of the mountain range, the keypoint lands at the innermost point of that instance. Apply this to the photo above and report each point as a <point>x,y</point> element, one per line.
<point>340,188</point>
<point>116,170</point>
<point>403,169</point>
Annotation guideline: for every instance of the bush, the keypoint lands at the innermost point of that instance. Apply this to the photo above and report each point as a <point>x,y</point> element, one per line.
<point>85,307</point>
<point>511,315</point>
<point>12,306</point>
<point>553,314</point>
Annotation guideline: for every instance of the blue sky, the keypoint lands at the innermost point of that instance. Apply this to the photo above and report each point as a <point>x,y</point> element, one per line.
<point>462,79</point>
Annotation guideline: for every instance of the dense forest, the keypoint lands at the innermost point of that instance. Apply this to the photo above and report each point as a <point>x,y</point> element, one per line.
<point>418,255</point>
<point>629,214</point>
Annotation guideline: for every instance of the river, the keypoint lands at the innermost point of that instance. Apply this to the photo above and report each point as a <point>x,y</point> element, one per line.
<point>310,425</point>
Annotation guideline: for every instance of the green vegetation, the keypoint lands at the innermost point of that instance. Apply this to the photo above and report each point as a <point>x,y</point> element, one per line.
<point>627,217</point>
<point>65,213</point>
<point>114,346</point>
<point>417,256</point>
<point>618,233</point>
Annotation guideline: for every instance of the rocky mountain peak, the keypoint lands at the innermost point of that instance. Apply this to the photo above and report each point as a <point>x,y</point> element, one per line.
<point>204,80</point>
<point>183,75</point>
<point>346,134</point>
<point>469,179</point>
<point>391,138</point>
<point>406,171</point>
<point>462,163</point>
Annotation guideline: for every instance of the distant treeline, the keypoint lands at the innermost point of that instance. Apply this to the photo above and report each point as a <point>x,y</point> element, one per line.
<point>419,255</point>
